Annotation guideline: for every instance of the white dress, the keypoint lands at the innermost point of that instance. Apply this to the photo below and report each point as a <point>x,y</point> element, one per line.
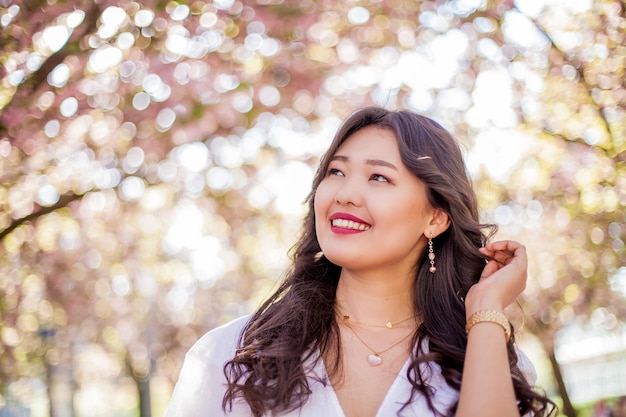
<point>201,385</point>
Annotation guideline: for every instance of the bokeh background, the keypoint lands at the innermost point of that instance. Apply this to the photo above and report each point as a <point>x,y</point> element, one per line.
<point>155,155</point>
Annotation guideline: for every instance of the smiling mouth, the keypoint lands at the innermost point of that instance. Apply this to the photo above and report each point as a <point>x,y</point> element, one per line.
<point>349,224</point>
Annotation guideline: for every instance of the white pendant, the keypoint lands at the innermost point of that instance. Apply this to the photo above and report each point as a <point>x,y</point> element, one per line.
<point>374,360</point>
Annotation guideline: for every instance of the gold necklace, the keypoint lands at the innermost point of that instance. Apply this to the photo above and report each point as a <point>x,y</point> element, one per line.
<point>389,324</point>
<point>374,358</point>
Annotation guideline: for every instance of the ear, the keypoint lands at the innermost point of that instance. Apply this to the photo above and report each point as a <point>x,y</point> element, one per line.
<point>439,223</point>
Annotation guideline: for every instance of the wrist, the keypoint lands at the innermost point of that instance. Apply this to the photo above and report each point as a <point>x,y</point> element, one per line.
<point>496,317</point>
<point>475,302</point>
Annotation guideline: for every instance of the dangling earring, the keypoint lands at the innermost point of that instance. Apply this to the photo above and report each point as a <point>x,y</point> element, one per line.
<point>431,255</point>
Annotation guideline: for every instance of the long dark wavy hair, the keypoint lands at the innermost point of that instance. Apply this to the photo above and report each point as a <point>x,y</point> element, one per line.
<point>269,370</point>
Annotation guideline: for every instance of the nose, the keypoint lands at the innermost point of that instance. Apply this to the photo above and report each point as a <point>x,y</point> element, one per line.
<point>349,193</point>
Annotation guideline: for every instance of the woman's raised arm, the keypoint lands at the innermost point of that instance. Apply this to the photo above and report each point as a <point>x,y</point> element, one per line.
<point>487,387</point>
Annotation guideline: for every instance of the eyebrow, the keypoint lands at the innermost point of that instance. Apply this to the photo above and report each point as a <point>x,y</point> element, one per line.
<point>374,162</point>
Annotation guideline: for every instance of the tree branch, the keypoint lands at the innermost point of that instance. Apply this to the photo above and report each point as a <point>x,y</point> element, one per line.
<point>34,81</point>
<point>91,18</point>
<point>63,202</point>
<point>580,70</point>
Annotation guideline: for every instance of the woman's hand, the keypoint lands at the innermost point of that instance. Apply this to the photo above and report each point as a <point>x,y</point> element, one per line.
<point>502,280</point>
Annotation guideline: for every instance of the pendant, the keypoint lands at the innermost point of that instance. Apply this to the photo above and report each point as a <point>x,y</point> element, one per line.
<point>374,359</point>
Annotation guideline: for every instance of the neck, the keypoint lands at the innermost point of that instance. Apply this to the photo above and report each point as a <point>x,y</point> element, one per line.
<point>375,301</point>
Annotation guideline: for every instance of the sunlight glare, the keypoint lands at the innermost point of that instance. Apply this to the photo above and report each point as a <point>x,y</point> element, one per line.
<point>358,15</point>
<point>292,183</point>
<point>104,58</point>
<point>52,39</point>
<point>499,152</point>
<point>193,156</point>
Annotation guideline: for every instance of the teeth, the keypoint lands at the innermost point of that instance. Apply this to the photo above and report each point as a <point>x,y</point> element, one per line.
<point>349,224</point>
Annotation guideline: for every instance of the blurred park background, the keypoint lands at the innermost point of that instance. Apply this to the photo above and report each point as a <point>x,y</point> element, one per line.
<point>154,157</point>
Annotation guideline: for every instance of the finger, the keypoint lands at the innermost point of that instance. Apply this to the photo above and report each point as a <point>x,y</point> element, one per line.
<point>500,257</point>
<point>489,269</point>
<point>510,245</point>
<point>492,248</point>
<point>505,246</point>
<point>505,250</point>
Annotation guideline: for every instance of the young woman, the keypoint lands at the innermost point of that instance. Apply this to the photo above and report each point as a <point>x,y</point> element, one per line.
<point>394,302</point>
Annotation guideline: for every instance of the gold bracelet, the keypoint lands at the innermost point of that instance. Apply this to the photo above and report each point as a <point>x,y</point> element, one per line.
<point>492,316</point>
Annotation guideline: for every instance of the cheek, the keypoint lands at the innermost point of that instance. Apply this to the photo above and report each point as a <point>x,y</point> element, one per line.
<point>414,215</point>
<point>321,206</point>
<point>318,204</point>
<point>319,219</point>
<point>320,201</point>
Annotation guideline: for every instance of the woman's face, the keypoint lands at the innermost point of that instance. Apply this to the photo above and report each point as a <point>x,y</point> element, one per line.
<point>371,212</point>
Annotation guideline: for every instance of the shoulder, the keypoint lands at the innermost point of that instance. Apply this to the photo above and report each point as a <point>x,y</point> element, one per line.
<point>220,342</point>
<point>526,366</point>
<point>201,383</point>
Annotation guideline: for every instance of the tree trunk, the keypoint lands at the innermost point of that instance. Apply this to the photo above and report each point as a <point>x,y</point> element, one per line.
<point>143,388</point>
<point>568,408</point>
<point>52,409</point>
<point>61,387</point>
<point>142,380</point>
<point>143,385</point>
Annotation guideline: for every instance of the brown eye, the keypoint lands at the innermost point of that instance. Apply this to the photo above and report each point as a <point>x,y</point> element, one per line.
<point>379,178</point>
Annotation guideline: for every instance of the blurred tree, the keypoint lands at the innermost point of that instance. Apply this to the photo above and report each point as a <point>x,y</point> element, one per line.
<point>154,155</point>
<point>571,192</point>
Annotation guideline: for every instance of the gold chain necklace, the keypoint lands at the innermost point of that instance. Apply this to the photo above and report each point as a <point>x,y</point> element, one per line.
<point>389,324</point>
<point>374,359</point>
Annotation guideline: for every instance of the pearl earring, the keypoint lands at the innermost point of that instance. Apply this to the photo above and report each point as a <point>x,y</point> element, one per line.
<point>431,256</point>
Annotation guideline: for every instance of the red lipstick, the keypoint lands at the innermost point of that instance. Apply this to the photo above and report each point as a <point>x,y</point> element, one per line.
<point>347,216</point>
<point>344,224</point>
